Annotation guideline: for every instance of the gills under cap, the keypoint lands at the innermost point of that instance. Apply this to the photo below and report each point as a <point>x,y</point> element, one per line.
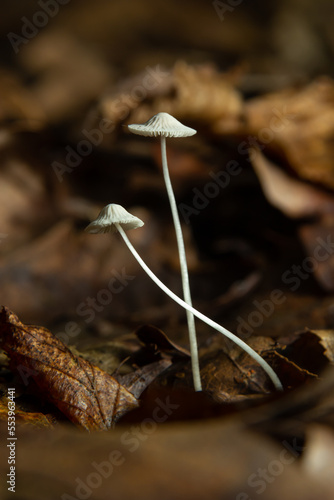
<point>162,124</point>
<point>111,215</point>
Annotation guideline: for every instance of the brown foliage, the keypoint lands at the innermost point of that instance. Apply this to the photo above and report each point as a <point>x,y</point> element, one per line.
<point>88,396</point>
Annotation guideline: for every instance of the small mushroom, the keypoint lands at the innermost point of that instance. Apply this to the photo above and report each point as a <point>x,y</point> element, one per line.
<point>115,218</point>
<point>165,125</point>
<point>111,216</point>
<point>162,124</point>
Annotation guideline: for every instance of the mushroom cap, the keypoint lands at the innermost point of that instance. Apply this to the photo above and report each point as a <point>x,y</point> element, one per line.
<point>109,216</point>
<point>162,124</point>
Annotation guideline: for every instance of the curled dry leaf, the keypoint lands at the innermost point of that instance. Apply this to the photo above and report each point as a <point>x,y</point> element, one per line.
<point>298,199</point>
<point>293,197</point>
<point>89,397</point>
<point>311,349</point>
<point>156,340</point>
<point>300,123</point>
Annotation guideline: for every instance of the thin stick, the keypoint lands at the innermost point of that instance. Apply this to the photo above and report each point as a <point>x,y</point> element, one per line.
<point>274,378</point>
<point>184,270</point>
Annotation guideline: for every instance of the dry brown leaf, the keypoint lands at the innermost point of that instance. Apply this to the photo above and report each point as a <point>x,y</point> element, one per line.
<point>138,381</point>
<point>298,199</point>
<point>156,340</point>
<point>292,196</point>
<point>89,397</point>
<point>229,374</point>
<point>310,349</point>
<point>299,122</point>
<point>23,417</point>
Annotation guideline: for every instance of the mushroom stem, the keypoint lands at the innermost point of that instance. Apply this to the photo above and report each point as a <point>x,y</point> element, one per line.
<point>274,378</point>
<point>184,270</point>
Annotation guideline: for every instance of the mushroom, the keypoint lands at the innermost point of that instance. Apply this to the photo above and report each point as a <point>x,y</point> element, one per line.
<point>113,218</point>
<point>165,125</point>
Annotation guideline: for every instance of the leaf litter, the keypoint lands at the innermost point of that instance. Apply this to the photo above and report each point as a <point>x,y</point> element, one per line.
<point>301,152</point>
<point>94,400</point>
<point>88,396</point>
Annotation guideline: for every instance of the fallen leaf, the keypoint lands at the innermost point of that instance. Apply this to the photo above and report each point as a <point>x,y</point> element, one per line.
<point>229,374</point>
<point>137,381</point>
<point>89,397</point>
<point>293,197</point>
<point>311,349</point>
<point>299,122</point>
<point>23,417</point>
<point>156,340</point>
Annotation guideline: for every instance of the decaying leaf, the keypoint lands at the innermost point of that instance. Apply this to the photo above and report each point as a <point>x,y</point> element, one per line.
<point>89,397</point>
<point>41,420</point>
<point>311,349</point>
<point>292,196</point>
<point>137,381</point>
<point>300,123</point>
<point>156,340</point>
<point>298,199</point>
<point>230,375</point>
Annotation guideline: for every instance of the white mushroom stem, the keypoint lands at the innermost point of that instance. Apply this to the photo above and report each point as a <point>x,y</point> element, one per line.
<point>274,378</point>
<point>184,270</point>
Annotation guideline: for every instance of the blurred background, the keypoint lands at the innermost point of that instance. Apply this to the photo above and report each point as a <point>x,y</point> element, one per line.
<point>254,189</point>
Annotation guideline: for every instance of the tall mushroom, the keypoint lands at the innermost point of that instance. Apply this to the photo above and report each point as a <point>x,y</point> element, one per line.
<point>113,218</point>
<point>165,125</point>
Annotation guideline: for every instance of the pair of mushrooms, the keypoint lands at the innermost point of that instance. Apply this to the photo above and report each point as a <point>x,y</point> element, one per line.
<point>113,218</point>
